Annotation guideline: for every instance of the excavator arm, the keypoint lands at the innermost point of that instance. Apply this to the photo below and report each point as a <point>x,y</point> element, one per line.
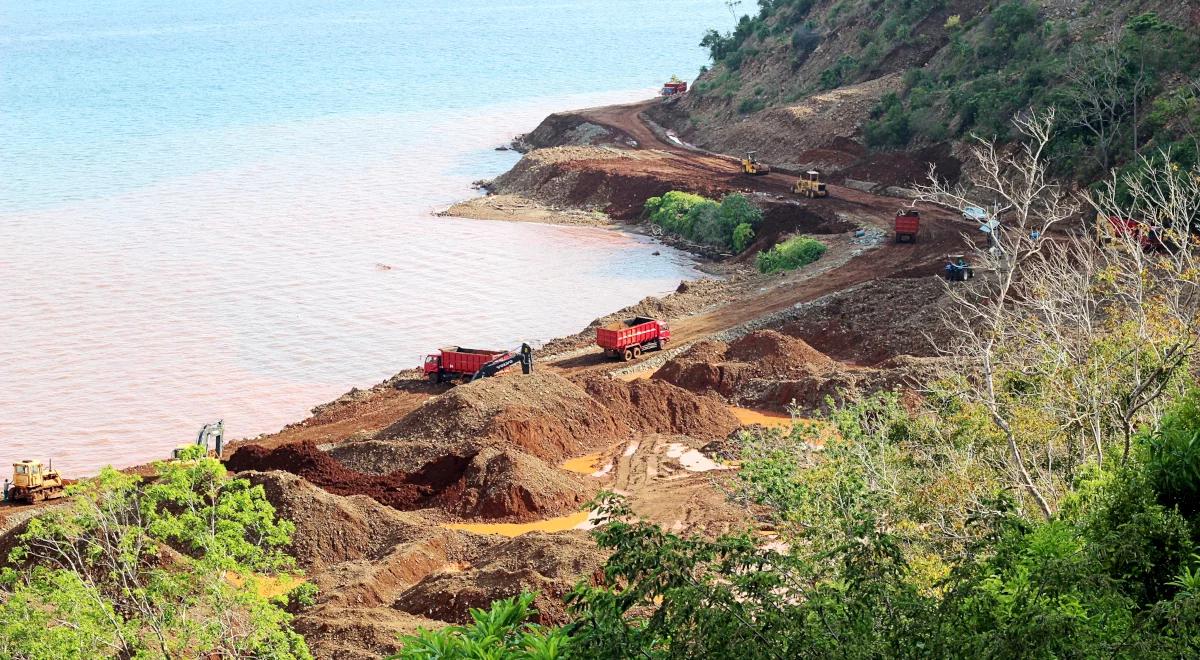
<point>523,355</point>
<point>214,432</point>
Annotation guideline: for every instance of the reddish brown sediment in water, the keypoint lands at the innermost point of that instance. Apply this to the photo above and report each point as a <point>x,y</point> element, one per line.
<point>407,459</point>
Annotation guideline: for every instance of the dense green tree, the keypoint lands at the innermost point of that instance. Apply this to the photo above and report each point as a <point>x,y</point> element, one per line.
<point>166,569</point>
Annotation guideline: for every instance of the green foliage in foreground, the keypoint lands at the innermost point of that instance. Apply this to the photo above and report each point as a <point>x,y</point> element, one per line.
<point>901,542</point>
<point>790,254</point>
<point>499,632</point>
<point>726,224</point>
<point>170,569</point>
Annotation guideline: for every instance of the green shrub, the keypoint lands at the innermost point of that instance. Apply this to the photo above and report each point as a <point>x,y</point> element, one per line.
<point>1174,456</point>
<point>790,254</point>
<point>500,632</point>
<point>704,220</point>
<point>743,234</point>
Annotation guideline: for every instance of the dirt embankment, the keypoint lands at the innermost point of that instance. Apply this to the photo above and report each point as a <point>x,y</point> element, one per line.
<point>770,370</point>
<point>490,449</point>
<point>383,572</point>
<point>614,181</point>
<point>371,478</point>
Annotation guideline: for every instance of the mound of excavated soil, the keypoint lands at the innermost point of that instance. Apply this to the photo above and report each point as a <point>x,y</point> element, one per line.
<point>542,414</point>
<point>400,490</point>
<point>384,456</point>
<point>876,321</point>
<point>490,483</point>
<point>511,484</point>
<point>549,564</point>
<point>331,529</point>
<point>767,369</point>
<point>656,406</point>
<point>774,352</point>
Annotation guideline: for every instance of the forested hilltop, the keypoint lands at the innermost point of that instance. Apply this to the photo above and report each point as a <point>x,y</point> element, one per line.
<point>819,82</point>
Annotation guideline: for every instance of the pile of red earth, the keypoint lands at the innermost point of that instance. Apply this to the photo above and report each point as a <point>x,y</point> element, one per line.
<point>489,449</point>
<point>548,564</point>
<point>553,418</point>
<point>767,369</point>
<point>542,414</point>
<point>656,406</point>
<point>878,320</point>
<point>400,490</point>
<point>489,483</point>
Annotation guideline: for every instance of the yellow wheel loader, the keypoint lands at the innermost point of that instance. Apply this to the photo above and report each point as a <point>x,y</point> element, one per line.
<point>810,185</point>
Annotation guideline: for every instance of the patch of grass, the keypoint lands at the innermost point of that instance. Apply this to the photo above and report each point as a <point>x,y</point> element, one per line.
<point>790,254</point>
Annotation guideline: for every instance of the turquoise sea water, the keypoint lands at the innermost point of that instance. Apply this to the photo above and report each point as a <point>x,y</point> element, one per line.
<point>222,209</point>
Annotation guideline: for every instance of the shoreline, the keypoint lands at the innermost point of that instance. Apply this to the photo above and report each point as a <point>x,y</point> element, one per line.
<point>487,207</point>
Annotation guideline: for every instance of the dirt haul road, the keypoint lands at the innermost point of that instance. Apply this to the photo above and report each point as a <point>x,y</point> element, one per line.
<point>431,457</point>
<point>941,231</point>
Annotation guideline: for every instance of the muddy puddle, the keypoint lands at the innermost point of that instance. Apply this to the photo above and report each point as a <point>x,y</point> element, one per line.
<point>582,465</point>
<point>560,524</point>
<point>767,418</point>
<point>589,465</point>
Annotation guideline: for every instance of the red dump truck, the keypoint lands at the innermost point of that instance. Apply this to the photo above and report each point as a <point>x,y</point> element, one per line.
<point>627,339</point>
<point>908,224</point>
<point>673,88</point>
<point>472,363</point>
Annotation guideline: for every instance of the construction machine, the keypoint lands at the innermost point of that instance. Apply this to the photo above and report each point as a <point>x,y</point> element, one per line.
<point>751,166</point>
<point>810,185</point>
<point>957,269</point>
<point>472,363</point>
<point>522,355</point>
<point>33,482</point>
<point>210,434</point>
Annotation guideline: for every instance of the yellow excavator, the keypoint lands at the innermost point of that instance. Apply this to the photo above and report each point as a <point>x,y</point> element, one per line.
<point>33,482</point>
<point>751,166</point>
<point>810,185</point>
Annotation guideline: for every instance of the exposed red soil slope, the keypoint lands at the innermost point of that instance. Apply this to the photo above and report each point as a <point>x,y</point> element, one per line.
<point>549,564</point>
<point>399,490</point>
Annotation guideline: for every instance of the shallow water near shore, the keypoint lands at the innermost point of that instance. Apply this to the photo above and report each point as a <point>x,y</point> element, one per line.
<point>228,215</point>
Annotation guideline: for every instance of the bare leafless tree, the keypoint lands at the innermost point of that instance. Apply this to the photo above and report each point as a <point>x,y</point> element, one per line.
<point>1015,186</point>
<point>1152,268</point>
<point>1086,327</point>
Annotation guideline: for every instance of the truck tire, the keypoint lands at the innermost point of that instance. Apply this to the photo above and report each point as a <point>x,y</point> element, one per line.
<point>637,352</point>
<point>435,378</point>
<point>658,345</point>
<point>627,355</point>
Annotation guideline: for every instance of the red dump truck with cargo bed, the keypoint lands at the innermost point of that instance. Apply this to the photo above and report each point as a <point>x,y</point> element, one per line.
<point>627,339</point>
<point>908,224</point>
<point>471,363</point>
<point>674,88</point>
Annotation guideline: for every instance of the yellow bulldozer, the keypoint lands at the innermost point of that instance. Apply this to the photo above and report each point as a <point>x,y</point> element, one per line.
<point>32,482</point>
<point>810,185</point>
<point>751,166</point>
